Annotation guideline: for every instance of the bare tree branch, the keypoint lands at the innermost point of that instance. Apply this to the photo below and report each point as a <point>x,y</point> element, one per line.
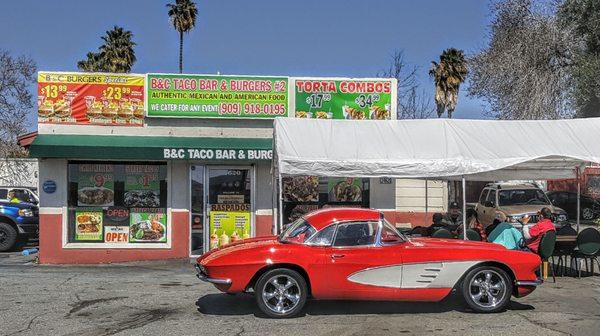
<point>412,103</point>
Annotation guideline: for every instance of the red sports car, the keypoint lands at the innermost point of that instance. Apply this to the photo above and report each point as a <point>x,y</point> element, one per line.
<point>357,254</point>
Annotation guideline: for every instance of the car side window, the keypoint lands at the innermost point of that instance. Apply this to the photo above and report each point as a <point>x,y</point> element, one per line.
<point>3,193</point>
<point>355,234</point>
<point>483,196</point>
<point>323,237</point>
<point>491,197</point>
<point>389,235</point>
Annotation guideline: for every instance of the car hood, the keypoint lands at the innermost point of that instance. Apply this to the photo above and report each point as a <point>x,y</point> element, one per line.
<point>236,247</point>
<point>22,205</point>
<point>455,243</point>
<point>526,209</point>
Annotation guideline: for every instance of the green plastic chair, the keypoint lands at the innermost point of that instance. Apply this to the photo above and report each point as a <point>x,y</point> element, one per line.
<point>473,235</point>
<point>588,246</point>
<point>442,233</point>
<point>546,249</point>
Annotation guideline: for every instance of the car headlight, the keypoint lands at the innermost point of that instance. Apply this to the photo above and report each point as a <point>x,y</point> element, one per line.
<point>561,217</point>
<point>25,213</point>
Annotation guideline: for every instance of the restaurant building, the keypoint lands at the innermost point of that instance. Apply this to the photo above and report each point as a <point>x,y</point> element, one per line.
<point>162,166</point>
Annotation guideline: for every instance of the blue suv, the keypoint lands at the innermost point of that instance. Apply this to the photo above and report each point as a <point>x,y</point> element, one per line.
<point>19,223</point>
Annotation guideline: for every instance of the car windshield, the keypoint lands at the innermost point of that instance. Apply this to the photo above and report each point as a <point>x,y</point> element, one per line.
<point>522,197</point>
<point>298,232</point>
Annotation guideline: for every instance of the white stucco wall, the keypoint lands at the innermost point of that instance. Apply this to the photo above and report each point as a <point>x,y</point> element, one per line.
<point>410,195</point>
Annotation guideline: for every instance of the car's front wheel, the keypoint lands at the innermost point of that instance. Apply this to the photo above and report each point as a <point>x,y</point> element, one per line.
<point>281,293</point>
<point>8,237</point>
<point>487,289</point>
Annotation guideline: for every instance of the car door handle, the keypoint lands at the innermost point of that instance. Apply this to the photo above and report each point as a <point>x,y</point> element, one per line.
<point>337,256</point>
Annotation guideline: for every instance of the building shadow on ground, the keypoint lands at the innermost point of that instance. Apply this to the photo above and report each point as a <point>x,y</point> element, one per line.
<point>244,304</point>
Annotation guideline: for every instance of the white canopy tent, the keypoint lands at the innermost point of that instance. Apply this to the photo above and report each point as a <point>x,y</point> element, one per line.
<point>479,150</point>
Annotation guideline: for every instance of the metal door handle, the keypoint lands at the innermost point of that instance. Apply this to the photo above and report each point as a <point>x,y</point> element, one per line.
<point>337,256</point>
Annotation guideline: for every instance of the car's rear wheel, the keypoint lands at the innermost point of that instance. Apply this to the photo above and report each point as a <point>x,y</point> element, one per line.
<point>281,293</point>
<point>8,237</point>
<point>487,289</point>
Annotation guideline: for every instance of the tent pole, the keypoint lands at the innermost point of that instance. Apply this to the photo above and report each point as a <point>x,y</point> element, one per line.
<point>280,201</point>
<point>464,207</point>
<point>578,198</point>
<point>426,199</point>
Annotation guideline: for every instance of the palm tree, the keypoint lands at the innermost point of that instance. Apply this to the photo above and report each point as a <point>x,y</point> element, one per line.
<point>115,55</point>
<point>183,16</point>
<point>448,75</point>
<point>92,63</point>
<point>117,52</point>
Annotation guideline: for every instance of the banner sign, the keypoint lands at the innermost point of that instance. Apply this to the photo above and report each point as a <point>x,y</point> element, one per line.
<point>90,98</point>
<point>206,96</point>
<point>358,99</point>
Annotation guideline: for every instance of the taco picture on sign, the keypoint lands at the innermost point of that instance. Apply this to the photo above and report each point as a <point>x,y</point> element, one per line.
<point>352,113</point>
<point>345,190</point>
<point>379,112</point>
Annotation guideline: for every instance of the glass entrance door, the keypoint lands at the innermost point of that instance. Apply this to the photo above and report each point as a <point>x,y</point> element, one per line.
<point>197,207</point>
<point>229,205</point>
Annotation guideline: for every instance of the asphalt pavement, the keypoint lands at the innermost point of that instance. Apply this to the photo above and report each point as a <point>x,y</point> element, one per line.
<point>165,298</point>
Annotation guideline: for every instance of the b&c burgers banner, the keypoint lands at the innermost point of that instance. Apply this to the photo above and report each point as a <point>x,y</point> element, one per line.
<point>206,96</point>
<point>358,99</point>
<point>90,98</point>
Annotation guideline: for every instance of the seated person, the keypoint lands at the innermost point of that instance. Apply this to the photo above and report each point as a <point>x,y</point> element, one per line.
<point>505,234</point>
<point>440,223</point>
<point>474,224</point>
<point>533,233</point>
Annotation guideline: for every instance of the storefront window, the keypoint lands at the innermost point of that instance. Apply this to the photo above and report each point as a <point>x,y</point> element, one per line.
<point>117,203</point>
<point>303,194</point>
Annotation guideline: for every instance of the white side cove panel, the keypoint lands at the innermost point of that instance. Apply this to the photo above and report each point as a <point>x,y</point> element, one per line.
<point>386,276</point>
<point>434,275</point>
<point>426,275</point>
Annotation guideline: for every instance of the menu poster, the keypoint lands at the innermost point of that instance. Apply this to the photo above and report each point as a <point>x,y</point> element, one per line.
<point>90,98</point>
<point>326,98</point>
<point>344,189</point>
<point>142,185</point>
<point>88,225</point>
<point>147,225</point>
<point>213,96</point>
<point>116,234</point>
<point>95,185</point>
<point>228,227</point>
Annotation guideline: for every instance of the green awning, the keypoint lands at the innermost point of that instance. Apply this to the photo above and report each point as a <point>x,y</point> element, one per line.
<point>112,147</point>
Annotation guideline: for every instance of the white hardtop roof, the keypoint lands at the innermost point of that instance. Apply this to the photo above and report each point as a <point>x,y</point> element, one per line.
<point>484,150</point>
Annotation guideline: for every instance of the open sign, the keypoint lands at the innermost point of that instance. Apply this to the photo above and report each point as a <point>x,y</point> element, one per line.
<point>116,234</point>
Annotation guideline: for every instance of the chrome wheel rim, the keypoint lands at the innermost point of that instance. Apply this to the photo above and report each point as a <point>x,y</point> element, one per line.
<point>587,213</point>
<point>487,289</point>
<point>281,294</point>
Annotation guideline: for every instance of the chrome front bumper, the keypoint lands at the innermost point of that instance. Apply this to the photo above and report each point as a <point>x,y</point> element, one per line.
<point>534,283</point>
<point>204,277</point>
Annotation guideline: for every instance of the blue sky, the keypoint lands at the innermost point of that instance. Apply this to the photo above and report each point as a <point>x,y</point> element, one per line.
<point>261,37</point>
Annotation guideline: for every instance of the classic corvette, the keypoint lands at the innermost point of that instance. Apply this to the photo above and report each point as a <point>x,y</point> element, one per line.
<point>356,254</point>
